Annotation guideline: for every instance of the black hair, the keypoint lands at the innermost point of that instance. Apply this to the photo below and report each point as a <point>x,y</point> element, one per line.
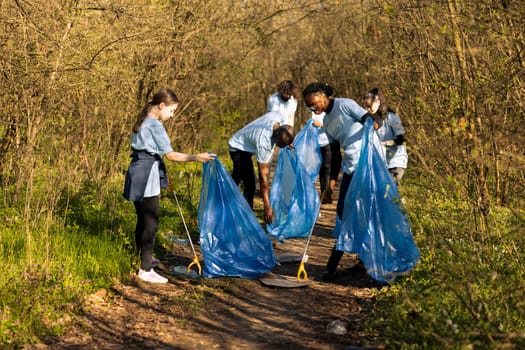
<point>163,95</point>
<point>287,87</point>
<point>285,135</point>
<point>316,88</point>
<point>383,107</point>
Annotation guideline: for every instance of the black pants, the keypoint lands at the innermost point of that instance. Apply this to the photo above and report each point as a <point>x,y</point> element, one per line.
<point>331,164</point>
<point>243,172</point>
<point>146,229</point>
<point>336,255</point>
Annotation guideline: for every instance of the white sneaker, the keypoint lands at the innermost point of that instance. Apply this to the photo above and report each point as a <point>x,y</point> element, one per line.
<point>151,276</point>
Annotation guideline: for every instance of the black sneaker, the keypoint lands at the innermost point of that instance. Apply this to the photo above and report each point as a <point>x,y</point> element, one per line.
<point>359,266</point>
<point>329,276</point>
<point>326,196</point>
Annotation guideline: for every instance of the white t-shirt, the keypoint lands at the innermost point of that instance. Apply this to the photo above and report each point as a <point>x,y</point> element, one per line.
<point>396,156</point>
<point>343,124</point>
<point>288,108</point>
<point>322,137</point>
<point>256,137</point>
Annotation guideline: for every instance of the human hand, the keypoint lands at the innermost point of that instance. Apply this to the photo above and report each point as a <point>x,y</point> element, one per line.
<point>317,123</point>
<point>205,157</point>
<point>268,214</point>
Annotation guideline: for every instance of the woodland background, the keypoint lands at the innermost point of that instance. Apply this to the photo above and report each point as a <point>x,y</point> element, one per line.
<point>75,74</point>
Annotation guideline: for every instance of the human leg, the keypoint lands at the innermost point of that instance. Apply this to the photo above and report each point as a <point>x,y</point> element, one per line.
<point>397,174</point>
<point>324,171</point>
<point>335,164</point>
<point>243,172</point>
<point>336,255</point>
<point>148,212</point>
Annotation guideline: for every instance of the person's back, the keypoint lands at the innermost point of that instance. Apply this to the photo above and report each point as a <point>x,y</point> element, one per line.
<point>256,137</point>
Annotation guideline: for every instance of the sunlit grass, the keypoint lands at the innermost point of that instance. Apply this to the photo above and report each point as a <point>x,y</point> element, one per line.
<point>468,290</point>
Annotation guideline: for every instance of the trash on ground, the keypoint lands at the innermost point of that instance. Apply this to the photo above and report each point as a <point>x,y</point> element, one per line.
<point>337,327</point>
<point>181,270</point>
<point>275,280</point>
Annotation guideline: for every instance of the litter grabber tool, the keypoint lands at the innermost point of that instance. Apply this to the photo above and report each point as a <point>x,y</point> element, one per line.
<point>301,280</point>
<point>195,261</point>
<point>302,275</point>
<point>281,281</point>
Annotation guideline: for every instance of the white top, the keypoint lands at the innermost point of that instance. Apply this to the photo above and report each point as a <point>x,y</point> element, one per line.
<point>256,137</point>
<point>343,124</point>
<point>396,156</point>
<point>288,108</point>
<point>322,138</point>
<point>153,185</point>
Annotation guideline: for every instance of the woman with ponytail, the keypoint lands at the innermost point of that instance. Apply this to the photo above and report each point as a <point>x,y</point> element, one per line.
<point>391,134</point>
<point>147,174</point>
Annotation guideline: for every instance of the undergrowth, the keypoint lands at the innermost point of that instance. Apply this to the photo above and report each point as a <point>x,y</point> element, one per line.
<point>468,291</point>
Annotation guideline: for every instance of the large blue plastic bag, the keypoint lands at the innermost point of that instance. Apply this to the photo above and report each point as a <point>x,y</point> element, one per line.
<point>294,198</point>
<point>232,240</point>
<point>375,224</point>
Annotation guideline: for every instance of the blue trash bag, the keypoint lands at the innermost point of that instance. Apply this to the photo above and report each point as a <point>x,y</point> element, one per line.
<point>375,224</point>
<point>294,198</point>
<point>232,240</point>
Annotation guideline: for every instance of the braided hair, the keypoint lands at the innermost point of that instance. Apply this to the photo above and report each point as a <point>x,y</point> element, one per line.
<point>318,88</point>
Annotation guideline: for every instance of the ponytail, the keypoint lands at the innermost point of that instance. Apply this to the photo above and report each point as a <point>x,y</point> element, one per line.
<point>143,114</point>
<point>164,95</point>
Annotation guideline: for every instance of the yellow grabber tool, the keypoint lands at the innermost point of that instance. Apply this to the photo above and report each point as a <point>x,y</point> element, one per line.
<point>195,260</point>
<point>302,275</point>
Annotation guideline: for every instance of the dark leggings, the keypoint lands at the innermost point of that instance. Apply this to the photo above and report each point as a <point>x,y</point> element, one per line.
<point>146,229</point>
<point>336,255</point>
<point>243,172</point>
<point>331,164</point>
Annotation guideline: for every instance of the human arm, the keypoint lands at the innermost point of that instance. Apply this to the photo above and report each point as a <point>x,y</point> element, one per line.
<point>394,123</point>
<point>264,172</point>
<point>183,157</point>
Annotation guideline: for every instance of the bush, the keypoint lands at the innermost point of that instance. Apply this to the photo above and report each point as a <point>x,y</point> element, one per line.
<point>468,290</point>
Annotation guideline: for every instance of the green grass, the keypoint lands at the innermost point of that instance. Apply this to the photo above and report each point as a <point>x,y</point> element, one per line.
<point>468,290</point>
<point>72,242</point>
<point>466,293</point>
<point>50,262</point>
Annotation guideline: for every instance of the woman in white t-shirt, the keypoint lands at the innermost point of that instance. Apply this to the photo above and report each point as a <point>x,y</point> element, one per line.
<point>391,134</point>
<point>331,160</point>
<point>284,101</point>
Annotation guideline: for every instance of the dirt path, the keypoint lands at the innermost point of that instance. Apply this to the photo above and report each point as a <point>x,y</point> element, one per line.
<point>231,313</point>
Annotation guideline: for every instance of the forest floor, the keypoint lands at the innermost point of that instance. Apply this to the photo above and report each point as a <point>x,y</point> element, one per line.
<point>231,313</point>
